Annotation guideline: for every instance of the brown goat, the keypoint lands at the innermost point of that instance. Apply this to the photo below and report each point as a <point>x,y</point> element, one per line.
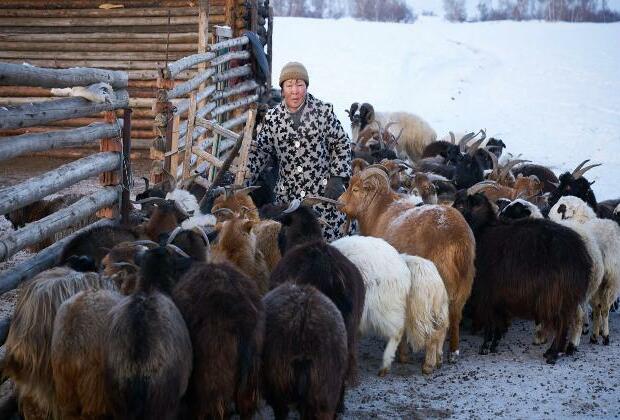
<point>77,354</point>
<point>425,188</point>
<point>239,202</point>
<point>236,243</point>
<point>524,187</point>
<point>226,320</point>
<point>437,233</point>
<point>28,345</point>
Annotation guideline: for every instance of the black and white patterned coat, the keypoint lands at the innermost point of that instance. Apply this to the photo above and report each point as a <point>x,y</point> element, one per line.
<point>308,156</point>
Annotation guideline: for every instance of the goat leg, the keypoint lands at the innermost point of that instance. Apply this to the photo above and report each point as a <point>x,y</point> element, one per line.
<point>488,336</point>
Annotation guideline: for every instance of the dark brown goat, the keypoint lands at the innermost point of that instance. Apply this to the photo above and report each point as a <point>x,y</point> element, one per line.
<point>541,273</point>
<point>321,265</point>
<point>305,353</point>
<point>225,317</point>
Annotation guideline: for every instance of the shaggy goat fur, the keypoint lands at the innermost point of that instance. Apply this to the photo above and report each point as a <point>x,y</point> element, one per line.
<point>77,353</point>
<point>606,233</point>
<point>148,352</point>
<point>437,233</point>
<point>305,353</point>
<point>97,242</point>
<point>324,267</point>
<point>541,273</point>
<point>28,345</point>
<point>225,317</point>
<point>403,295</point>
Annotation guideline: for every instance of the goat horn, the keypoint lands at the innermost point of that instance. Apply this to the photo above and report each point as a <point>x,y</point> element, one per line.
<point>495,172</point>
<point>177,250</point>
<point>173,235</point>
<point>472,149</point>
<point>555,184</point>
<point>463,142</point>
<point>400,133</point>
<point>181,210</point>
<point>391,123</point>
<point>247,189</point>
<point>202,233</point>
<point>315,199</point>
<point>582,171</point>
<point>579,167</point>
<point>402,162</point>
<point>223,210</point>
<point>145,242</point>
<point>484,133</point>
<point>293,206</point>
<point>452,137</point>
<point>481,186</point>
<point>508,166</point>
<point>376,170</point>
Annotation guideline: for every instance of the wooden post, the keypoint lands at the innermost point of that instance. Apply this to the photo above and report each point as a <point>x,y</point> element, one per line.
<point>126,167</point>
<point>163,130</point>
<point>270,48</point>
<point>109,144</point>
<point>245,146</point>
<point>189,135</point>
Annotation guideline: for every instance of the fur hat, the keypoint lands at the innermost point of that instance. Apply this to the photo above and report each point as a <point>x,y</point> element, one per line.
<point>294,70</point>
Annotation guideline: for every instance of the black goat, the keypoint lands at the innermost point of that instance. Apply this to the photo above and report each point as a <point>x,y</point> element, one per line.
<point>575,184</point>
<point>540,273</point>
<point>305,353</point>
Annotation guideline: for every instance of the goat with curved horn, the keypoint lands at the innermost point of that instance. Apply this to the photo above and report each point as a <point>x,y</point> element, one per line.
<point>509,165</point>
<point>578,174</point>
<point>481,186</point>
<point>463,142</point>
<point>294,205</point>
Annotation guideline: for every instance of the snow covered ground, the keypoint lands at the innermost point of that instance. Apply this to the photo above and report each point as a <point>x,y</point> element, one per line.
<point>549,90</point>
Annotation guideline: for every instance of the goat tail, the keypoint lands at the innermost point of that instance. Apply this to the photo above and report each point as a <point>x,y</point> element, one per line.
<point>303,378</point>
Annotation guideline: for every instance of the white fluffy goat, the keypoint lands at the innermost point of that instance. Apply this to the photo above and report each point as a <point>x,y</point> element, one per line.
<point>404,295</point>
<point>606,233</point>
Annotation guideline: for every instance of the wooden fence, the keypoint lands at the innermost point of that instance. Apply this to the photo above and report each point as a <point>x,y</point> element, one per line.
<point>112,163</point>
<point>220,95</point>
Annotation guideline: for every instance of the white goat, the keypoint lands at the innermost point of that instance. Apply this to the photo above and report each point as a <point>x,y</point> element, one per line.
<point>606,233</point>
<point>402,297</point>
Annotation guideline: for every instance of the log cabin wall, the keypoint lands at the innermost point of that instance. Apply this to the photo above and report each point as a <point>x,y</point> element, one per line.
<point>137,36</point>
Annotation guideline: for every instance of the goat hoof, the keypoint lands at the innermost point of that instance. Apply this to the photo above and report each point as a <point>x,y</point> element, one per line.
<point>427,369</point>
<point>551,359</point>
<point>484,350</point>
<point>571,349</point>
<point>593,339</point>
<point>453,356</point>
<point>382,372</point>
<point>606,340</point>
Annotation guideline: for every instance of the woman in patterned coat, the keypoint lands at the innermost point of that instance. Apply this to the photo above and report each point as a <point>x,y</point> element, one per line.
<point>312,150</point>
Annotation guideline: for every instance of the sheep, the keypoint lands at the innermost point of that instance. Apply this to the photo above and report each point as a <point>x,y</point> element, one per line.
<point>542,273</point>
<point>77,354</point>
<point>312,261</point>
<point>416,133</point>
<point>147,347</point>
<point>305,353</point>
<point>28,345</point>
<point>576,185</point>
<point>236,243</point>
<point>606,234</point>
<point>404,295</point>
<point>226,320</point>
<point>437,233</point>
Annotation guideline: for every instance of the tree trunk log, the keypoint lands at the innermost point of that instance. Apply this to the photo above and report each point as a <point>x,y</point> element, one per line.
<point>29,143</point>
<point>216,128</point>
<point>186,63</point>
<point>20,195</point>
<point>29,115</point>
<point>22,75</point>
<point>109,38</point>
<point>235,42</point>
<point>192,84</point>
<point>109,13</point>
<point>45,259</point>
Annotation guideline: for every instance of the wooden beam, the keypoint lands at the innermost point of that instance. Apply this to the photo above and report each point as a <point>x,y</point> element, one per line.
<point>12,277</point>
<point>42,54</point>
<point>23,75</point>
<point>192,84</point>
<point>245,147</point>
<point>234,72</point>
<point>90,22</point>
<point>216,128</point>
<point>111,38</point>
<point>34,232</point>
<point>234,105</point>
<point>98,46</point>
<point>28,143</point>
<point>191,120</point>
<point>110,13</point>
<point>186,63</point>
<point>235,42</point>
<point>183,106</point>
<point>233,55</point>
<point>29,115</point>
<point>87,4</point>
<point>207,157</point>
<point>24,193</point>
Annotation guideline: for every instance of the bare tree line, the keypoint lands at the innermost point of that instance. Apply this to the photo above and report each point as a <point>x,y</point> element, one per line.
<point>373,10</point>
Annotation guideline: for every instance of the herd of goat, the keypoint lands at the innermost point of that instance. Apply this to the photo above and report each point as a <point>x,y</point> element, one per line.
<point>204,308</point>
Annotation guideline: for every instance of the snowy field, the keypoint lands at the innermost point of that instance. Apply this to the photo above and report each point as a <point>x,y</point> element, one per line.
<point>549,90</point>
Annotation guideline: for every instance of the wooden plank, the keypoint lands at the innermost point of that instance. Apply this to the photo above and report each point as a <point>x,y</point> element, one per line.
<point>172,69</point>
<point>245,147</point>
<point>235,42</point>
<point>191,116</point>
<point>24,193</point>
<point>113,38</point>
<point>234,105</point>
<point>240,71</point>
<point>12,277</point>
<point>203,94</point>
<point>23,75</point>
<point>96,47</point>
<point>92,22</point>
<point>103,64</point>
<point>88,4</point>
<point>216,128</point>
<point>28,143</point>
<point>111,28</point>
<point>120,12</point>
<point>192,84</point>
<point>34,232</point>
<point>110,144</point>
<point>233,55</point>
<point>120,55</point>
<point>174,145</point>
<point>29,115</point>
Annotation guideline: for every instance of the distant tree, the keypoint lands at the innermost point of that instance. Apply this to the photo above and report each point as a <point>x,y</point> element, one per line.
<point>455,10</point>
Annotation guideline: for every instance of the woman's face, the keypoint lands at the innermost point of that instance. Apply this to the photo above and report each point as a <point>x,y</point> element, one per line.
<point>294,91</point>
